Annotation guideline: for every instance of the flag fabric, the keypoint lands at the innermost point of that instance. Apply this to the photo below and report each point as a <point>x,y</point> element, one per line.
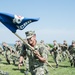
<point>14,22</point>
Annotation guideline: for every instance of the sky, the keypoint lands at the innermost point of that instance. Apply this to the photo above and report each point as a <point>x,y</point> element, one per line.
<point>57,19</point>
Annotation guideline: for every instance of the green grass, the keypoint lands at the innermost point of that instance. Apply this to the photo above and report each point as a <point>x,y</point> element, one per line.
<point>64,68</point>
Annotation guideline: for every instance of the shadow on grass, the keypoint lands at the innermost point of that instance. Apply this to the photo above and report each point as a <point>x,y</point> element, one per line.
<point>51,61</point>
<point>5,63</point>
<point>21,70</point>
<point>64,66</point>
<point>15,64</point>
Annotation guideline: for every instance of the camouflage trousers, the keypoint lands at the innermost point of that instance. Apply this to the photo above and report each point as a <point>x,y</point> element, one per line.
<point>7,57</point>
<point>56,58</point>
<point>38,71</point>
<point>72,60</point>
<point>3,73</point>
<point>64,55</point>
<point>46,71</point>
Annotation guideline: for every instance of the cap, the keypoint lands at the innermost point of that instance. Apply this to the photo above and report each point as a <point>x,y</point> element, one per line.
<point>3,42</point>
<point>64,41</point>
<point>29,34</point>
<point>41,41</point>
<point>54,41</point>
<point>73,41</point>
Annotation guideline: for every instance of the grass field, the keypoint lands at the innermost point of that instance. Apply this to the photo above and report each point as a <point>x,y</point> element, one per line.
<point>63,69</point>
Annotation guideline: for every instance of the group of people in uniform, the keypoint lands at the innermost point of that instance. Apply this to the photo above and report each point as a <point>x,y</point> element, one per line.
<point>61,52</point>
<point>35,55</point>
<point>10,53</point>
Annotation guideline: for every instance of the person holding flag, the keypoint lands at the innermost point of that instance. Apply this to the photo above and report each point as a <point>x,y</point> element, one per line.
<point>34,51</point>
<point>37,57</point>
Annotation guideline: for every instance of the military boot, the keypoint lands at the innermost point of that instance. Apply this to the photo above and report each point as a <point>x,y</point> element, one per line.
<point>8,61</point>
<point>47,73</point>
<point>13,62</point>
<point>74,64</point>
<point>71,64</point>
<point>57,66</point>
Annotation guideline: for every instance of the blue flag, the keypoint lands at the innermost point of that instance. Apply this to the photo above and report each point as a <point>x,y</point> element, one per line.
<point>14,22</point>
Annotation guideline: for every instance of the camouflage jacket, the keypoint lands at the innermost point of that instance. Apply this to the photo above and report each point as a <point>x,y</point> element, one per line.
<point>33,60</point>
<point>71,50</point>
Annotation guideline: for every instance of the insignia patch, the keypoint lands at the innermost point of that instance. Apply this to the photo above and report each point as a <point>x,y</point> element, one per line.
<point>17,19</point>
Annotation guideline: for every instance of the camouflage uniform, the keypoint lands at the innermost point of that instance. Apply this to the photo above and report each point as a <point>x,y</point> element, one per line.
<point>56,51</point>
<point>8,51</point>
<point>60,52</point>
<point>16,51</point>
<point>47,52</point>
<point>3,73</point>
<point>64,50</point>
<point>26,60</point>
<point>18,46</point>
<point>72,53</point>
<point>36,67</point>
<point>14,56</point>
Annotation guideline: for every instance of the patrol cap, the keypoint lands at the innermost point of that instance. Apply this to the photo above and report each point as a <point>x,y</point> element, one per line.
<point>41,41</point>
<point>3,42</point>
<point>54,41</point>
<point>64,40</point>
<point>29,34</point>
<point>73,41</point>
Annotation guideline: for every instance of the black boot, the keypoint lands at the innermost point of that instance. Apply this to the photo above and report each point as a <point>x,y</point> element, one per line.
<point>13,62</point>
<point>71,64</point>
<point>74,64</point>
<point>8,61</point>
<point>57,66</point>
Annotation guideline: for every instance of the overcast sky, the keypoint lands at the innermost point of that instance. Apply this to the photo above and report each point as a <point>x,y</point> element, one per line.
<point>57,19</point>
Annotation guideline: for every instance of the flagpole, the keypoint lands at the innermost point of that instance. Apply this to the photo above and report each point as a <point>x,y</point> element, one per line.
<point>32,48</point>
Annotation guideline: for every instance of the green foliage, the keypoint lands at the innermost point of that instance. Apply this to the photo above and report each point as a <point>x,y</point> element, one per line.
<point>51,46</point>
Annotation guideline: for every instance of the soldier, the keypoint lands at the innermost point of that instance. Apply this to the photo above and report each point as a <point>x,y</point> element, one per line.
<point>14,56</point>
<point>47,46</point>
<point>60,52</point>
<point>25,60</point>
<point>18,46</point>
<point>55,51</point>
<point>8,51</point>
<point>64,50</point>
<point>72,53</point>
<point>47,52</point>
<point>36,58</point>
